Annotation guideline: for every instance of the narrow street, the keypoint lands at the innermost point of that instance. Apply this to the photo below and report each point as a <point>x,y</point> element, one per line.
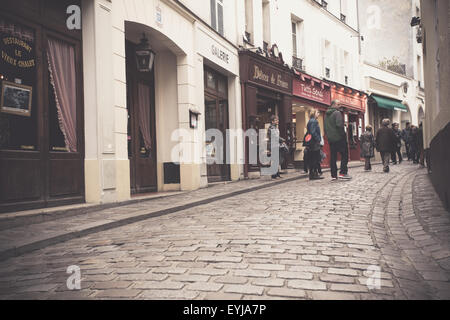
<point>297,240</point>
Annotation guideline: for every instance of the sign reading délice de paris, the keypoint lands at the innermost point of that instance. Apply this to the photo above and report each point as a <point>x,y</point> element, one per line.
<point>305,89</point>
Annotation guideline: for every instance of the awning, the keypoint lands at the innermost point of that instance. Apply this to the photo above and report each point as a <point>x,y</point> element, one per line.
<point>389,104</point>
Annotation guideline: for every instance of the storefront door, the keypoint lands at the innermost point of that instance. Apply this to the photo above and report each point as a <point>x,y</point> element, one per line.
<point>141,127</point>
<point>41,113</point>
<point>216,118</point>
<point>354,131</point>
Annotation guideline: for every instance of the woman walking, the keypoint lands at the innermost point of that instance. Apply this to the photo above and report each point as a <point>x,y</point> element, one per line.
<point>367,147</point>
<point>313,145</point>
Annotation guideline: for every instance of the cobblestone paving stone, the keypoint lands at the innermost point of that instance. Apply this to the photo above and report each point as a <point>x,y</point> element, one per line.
<point>299,240</point>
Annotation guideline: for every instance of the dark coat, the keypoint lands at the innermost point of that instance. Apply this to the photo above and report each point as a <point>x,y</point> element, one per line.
<point>398,135</point>
<point>314,129</point>
<point>420,138</point>
<point>367,145</point>
<point>334,126</point>
<point>386,140</point>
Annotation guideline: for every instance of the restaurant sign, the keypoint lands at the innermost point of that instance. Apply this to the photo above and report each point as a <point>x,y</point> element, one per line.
<point>265,75</point>
<point>17,53</point>
<point>307,90</point>
<point>352,101</point>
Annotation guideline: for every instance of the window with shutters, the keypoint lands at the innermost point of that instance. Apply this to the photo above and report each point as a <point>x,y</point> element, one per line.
<point>217,14</point>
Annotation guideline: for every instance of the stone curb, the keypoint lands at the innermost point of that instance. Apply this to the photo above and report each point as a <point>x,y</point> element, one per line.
<point>33,246</point>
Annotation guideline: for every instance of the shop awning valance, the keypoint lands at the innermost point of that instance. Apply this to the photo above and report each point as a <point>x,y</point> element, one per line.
<point>389,104</point>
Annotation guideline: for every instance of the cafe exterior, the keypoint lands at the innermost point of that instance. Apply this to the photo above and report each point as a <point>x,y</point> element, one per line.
<point>266,86</point>
<point>308,93</point>
<point>353,103</point>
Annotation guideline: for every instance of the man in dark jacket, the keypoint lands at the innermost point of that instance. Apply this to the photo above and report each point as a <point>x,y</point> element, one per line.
<point>413,147</point>
<point>337,138</point>
<point>406,133</point>
<point>386,142</point>
<point>398,146</point>
<point>420,151</point>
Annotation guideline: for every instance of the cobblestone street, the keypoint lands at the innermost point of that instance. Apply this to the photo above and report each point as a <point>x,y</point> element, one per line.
<point>297,240</point>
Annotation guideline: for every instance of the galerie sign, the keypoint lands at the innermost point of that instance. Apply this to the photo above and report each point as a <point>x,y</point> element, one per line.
<point>17,53</point>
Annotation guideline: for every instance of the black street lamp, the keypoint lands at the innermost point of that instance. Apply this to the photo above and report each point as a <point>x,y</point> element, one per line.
<point>145,56</point>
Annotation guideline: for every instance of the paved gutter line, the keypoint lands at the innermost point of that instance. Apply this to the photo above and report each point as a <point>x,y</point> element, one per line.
<point>26,248</point>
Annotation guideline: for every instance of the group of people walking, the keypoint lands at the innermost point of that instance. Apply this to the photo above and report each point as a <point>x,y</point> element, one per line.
<point>388,141</point>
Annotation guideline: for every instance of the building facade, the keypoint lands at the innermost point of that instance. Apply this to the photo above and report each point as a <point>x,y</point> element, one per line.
<point>319,42</point>
<point>392,62</point>
<point>120,130</point>
<point>435,25</point>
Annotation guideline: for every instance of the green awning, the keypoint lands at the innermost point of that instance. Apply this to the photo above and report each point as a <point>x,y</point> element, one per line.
<point>389,104</point>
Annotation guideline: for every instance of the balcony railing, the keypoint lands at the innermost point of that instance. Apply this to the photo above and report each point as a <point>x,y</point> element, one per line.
<point>297,63</point>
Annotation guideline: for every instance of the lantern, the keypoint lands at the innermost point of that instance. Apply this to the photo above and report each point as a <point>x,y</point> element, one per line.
<point>145,57</point>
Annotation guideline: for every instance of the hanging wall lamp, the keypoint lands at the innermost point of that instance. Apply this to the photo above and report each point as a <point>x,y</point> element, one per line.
<point>145,56</point>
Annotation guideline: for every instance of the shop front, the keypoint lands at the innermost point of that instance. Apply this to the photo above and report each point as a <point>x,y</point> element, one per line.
<point>353,103</point>
<point>266,91</point>
<point>220,66</point>
<point>383,107</point>
<point>41,109</point>
<point>308,93</point>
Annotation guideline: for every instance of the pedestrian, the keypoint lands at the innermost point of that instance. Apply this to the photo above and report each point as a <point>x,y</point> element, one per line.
<point>323,155</point>
<point>367,147</point>
<point>313,145</point>
<point>305,158</point>
<point>420,151</point>
<point>337,138</point>
<point>413,147</point>
<point>406,133</point>
<point>397,151</point>
<point>276,142</point>
<point>386,143</point>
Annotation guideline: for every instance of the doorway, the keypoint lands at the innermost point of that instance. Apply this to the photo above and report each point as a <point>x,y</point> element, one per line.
<point>141,126</point>
<point>216,117</point>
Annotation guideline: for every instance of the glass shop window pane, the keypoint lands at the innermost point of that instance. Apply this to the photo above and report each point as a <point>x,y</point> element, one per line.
<point>223,86</point>
<point>18,103</point>
<point>211,80</point>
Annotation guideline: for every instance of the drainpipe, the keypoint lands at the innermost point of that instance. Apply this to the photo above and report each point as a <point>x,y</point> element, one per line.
<point>359,30</point>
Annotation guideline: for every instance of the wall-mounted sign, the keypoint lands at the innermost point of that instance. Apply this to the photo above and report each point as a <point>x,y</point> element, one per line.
<point>349,100</point>
<point>159,16</point>
<point>305,89</point>
<point>16,99</point>
<point>219,53</point>
<point>264,74</point>
<point>17,53</point>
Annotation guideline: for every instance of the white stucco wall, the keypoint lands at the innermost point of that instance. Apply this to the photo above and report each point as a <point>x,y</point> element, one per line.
<point>318,25</point>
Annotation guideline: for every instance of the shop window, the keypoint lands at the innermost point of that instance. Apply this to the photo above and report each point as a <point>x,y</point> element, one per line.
<point>57,142</point>
<point>210,80</point>
<point>222,88</point>
<point>18,109</point>
<point>62,96</point>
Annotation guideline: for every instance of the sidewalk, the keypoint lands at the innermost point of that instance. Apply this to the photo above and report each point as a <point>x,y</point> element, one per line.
<point>85,219</point>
